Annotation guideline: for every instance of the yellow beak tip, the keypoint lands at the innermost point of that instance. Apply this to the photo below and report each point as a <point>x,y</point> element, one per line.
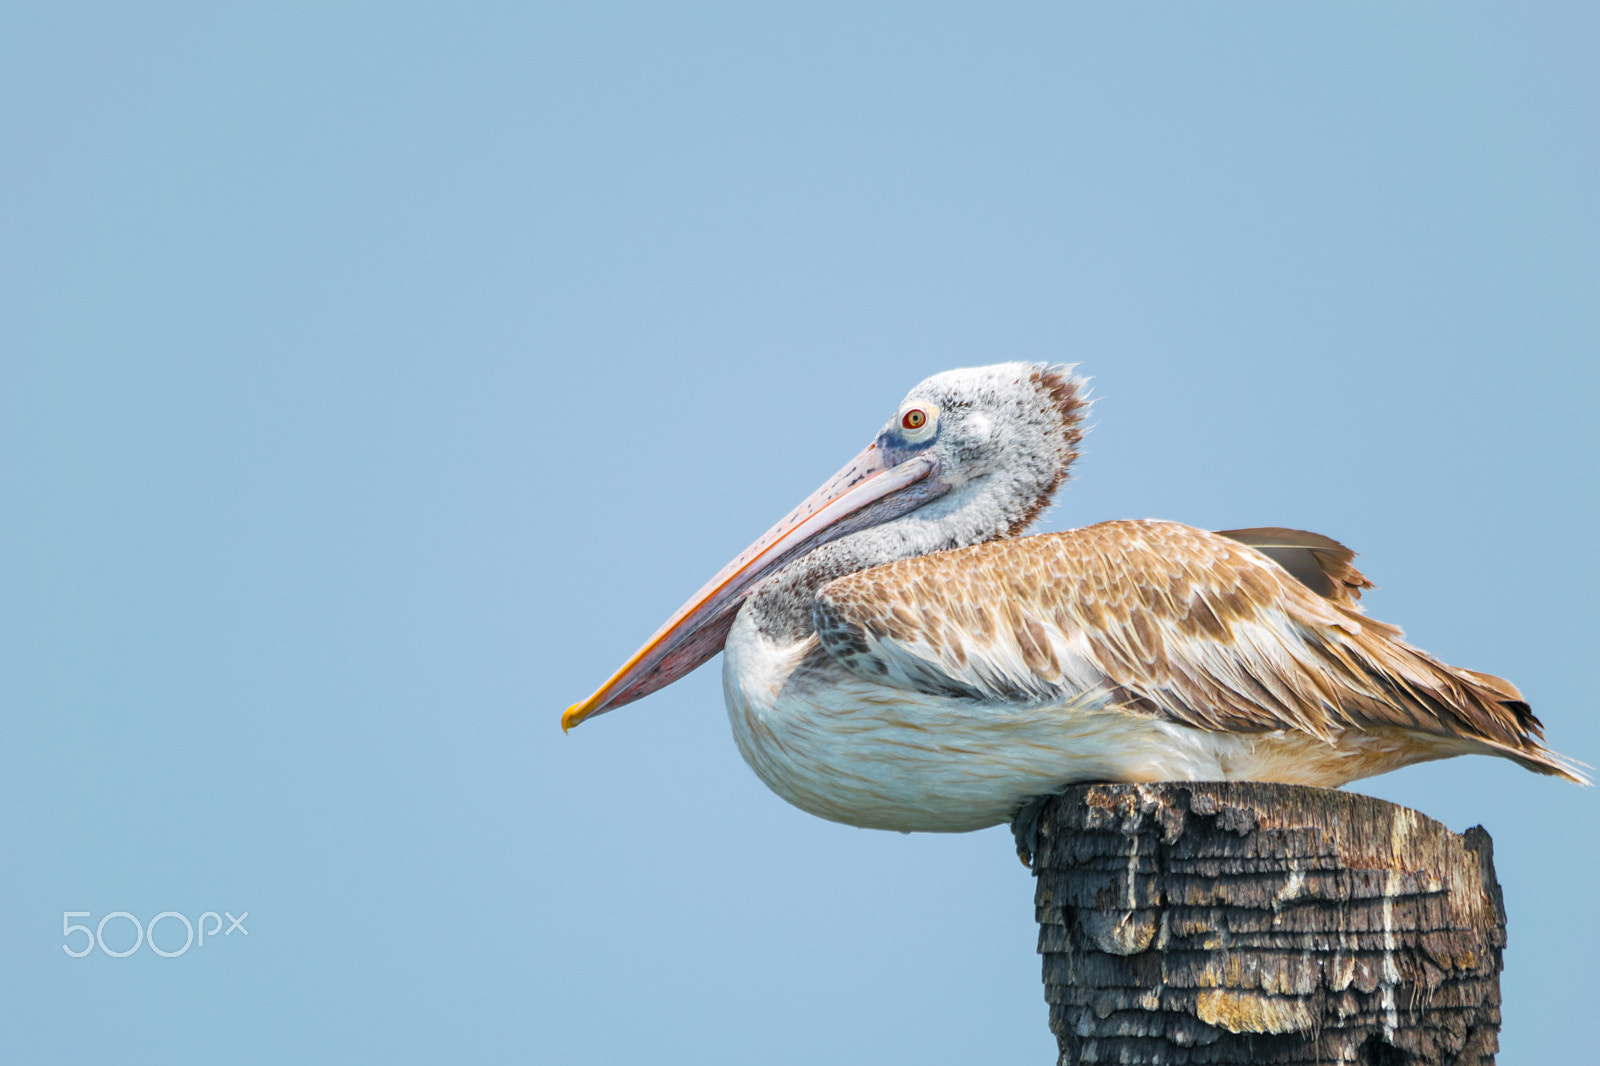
<point>572,717</point>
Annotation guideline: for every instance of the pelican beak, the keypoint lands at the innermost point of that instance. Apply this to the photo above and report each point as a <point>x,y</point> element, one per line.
<point>697,630</point>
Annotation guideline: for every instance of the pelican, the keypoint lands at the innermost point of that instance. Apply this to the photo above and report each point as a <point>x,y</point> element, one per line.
<point>897,656</point>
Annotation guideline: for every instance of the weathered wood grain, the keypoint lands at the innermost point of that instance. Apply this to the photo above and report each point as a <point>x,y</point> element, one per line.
<point>1256,923</point>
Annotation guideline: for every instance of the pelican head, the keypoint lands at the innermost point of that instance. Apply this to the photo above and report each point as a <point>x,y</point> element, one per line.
<point>968,456</point>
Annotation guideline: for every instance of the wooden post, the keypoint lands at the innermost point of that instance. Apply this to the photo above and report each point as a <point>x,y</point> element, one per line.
<point>1252,923</point>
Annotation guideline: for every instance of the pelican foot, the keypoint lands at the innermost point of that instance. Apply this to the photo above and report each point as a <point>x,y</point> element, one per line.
<point>1025,827</point>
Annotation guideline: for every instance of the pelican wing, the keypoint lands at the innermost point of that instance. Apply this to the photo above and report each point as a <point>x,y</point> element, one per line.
<point>1163,620</point>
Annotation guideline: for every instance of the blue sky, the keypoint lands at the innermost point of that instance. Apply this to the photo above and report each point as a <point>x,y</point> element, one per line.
<point>373,379</point>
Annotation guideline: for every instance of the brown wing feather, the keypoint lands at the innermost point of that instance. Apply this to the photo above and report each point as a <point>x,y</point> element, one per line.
<point>1165,620</point>
<point>1320,563</point>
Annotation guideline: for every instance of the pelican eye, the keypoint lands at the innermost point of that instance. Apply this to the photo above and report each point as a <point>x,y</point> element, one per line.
<point>918,422</point>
